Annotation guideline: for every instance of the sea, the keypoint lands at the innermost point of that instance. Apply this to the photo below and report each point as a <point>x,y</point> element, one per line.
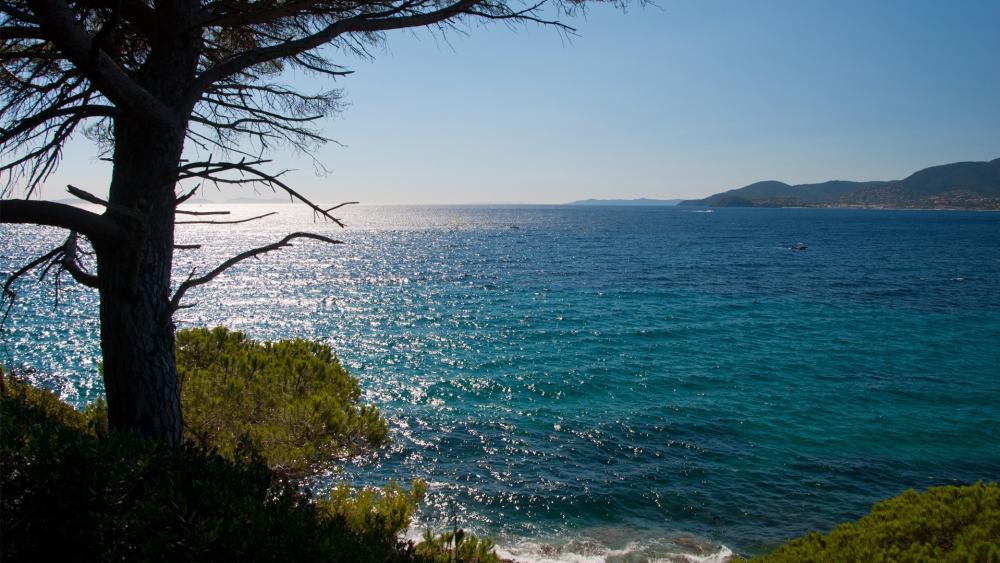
<point>617,384</point>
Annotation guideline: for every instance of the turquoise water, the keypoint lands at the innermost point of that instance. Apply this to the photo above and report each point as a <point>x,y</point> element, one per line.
<point>618,382</point>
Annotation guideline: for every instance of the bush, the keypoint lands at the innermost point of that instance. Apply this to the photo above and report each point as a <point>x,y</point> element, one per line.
<point>373,513</point>
<point>455,546</point>
<point>941,524</point>
<point>70,494</point>
<point>290,399</point>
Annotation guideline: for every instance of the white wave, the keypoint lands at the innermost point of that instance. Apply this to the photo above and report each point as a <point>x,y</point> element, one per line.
<point>610,544</point>
<point>587,551</point>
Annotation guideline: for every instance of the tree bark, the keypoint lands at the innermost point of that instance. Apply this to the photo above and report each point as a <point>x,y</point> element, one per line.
<point>137,331</point>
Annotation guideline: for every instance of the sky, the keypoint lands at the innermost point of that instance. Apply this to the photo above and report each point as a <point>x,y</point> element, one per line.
<point>680,99</point>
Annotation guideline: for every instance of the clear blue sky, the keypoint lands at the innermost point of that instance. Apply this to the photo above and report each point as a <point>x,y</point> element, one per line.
<point>682,99</point>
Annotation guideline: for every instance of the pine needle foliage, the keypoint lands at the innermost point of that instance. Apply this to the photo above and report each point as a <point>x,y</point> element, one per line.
<point>458,546</point>
<point>291,399</point>
<point>942,524</point>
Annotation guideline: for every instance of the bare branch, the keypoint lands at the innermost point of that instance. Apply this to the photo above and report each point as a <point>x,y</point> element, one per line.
<point>527,14</point>
<point>75,112</point>
<point>363,23</point>
<point>211,167</point>
<point>91,198</point>
<point>71,263</point>
<point>224,222</point>
<point>189,212</point>
<point>193,281</point>
<point>9,293</point>
<point>95,227</point>
<point>85,195</point>
<point>182,198</point>
<point>339,205</point>
<point>64,256</point>
<point>42,122</point>
<point>258,176</point>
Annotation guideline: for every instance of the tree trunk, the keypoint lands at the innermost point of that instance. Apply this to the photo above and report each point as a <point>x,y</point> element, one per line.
<point>137,332</point>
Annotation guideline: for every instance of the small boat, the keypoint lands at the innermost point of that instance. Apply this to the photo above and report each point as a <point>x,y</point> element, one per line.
<point>799,246</point>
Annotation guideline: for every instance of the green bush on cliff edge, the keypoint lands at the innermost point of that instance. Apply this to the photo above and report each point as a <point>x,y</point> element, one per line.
<point>290,399</point>
<point>959,524</point>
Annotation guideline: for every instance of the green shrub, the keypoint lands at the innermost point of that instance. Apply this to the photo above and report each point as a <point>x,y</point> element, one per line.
<point>457,547</point>
<point>291,399</point>
<point>70,493</point>
<point>47,407</point>
<point>941,524</point>
<point>372,512</point>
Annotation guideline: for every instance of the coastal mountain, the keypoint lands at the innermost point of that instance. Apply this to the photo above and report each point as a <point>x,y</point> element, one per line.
<point>960,185</point>
<point>640,201</point>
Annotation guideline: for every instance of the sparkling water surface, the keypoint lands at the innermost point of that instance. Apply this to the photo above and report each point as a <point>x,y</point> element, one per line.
<point>597,384</point>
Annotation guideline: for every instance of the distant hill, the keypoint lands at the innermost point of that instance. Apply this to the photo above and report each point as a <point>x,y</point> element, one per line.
<point>961,185</point>
<point>640,201</point>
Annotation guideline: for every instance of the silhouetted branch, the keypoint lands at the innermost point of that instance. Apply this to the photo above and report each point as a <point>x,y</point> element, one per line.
<point>7,292</point>
<point>91,198</point>
<point>85,195</point>
<point>339,205</point>
<point>211,167</point>
<point>71,263</point>
<point>362,23</point>
<point>75,112</point>
<point>192,281</point>
<point>65,257</point>
<point>182,198</point>
<point>34,143</point>
<point>211,170</point>
<point>96,227</point>
<point>225,222</point>
<point>8,295</point>
<point>189,212</point>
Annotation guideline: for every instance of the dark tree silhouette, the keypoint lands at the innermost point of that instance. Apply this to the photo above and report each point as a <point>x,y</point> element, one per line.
<point>140,78</point>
